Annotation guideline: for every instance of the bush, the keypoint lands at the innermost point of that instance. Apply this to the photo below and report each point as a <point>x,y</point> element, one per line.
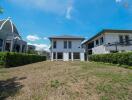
<point>114,58</point>
<point>19,59</point>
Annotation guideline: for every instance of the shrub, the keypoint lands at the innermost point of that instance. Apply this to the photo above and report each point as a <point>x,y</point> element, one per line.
<point>114,58</point>
<point>18,59</point>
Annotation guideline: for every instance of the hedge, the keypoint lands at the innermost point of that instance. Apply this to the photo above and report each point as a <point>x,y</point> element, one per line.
<point>114,58</point>
<point>19,59</point>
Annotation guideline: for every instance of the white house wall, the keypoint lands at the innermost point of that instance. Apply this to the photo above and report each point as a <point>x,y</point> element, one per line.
<point>100,50</point>
<point>111,38</point>
<point>114,37</point>
<point>76,47</point>
<point>119,48</point>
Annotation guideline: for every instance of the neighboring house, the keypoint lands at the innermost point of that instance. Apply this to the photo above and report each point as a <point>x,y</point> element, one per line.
<point>31,49</point>
<point>109,41</point>
<point>44,53</point>
<point>10,39</point>
<point>66,48</point>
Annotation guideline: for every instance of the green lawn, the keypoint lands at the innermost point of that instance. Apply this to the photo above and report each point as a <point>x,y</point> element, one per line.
<point>66,81</point>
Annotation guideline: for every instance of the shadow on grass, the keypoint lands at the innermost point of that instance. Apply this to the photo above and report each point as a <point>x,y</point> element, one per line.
<point>10,87</point>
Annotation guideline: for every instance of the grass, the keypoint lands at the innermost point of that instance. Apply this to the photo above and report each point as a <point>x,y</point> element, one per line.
<point>66,81</point>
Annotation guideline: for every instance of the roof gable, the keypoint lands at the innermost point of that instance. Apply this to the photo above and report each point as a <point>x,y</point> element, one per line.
<point>8,25</point>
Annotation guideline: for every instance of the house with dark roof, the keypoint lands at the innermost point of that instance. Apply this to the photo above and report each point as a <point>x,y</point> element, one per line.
<point>66,48</point>
<point>10,39</point>
<point>109,41</point>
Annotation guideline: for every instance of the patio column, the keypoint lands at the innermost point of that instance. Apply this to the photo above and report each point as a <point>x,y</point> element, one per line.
<point>56,56</point>
<point>52,56</point>
<point>20,48</point>
<point>72,56</point>
<point>11,46</point>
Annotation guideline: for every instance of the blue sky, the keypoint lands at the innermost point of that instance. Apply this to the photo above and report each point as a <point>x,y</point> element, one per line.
<point>38,19</point>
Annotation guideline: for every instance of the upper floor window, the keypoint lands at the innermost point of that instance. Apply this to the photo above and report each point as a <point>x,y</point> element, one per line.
<point>54,44</point>
<point>121,39</point>
<point>127,39</point>
<point>69,44</point>
<point>97,42</point>
<point>65,44</point>
<point>101,40</point>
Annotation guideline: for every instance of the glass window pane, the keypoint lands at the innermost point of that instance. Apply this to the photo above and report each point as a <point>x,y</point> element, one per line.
<point>65,44</point>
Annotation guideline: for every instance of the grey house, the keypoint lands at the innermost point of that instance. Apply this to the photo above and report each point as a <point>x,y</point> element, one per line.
<point>10,39</point>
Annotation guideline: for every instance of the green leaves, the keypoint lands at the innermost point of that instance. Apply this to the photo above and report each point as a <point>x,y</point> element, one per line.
<point>19,59</point>
<point>114,58</point>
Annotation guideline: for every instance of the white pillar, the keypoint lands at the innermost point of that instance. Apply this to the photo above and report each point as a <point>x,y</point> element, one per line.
<point>82,56</point>
<point>51,56</point>
<point>56,56</point>
<point>11,46</point>
<point>72,56</point>
<point>20,48</point>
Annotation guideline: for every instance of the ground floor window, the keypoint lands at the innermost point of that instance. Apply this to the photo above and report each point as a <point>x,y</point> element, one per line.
<point>76,55</point>
<point>54,55</point>
<point>59,55</point>
<point>70,55</point>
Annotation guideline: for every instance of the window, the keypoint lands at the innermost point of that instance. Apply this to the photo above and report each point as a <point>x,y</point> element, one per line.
<point>127,39</point>
<point>65,44</point>
<point>76,55</point>
<point>54,55</point>
<point>97,42</point>
<point>70,55</point>
<point>54,44</point>
<point>121,39</point>
<point>70,44</point>
<point>101,40</point>
<point>59,55</point>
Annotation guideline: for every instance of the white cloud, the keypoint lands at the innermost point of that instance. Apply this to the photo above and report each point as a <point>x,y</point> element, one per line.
<point>51,6</point>
<point>69,12</point>
<point>41,47</point>
<point>45,38</point>
<point>33,38</point>
<point>118,1</point>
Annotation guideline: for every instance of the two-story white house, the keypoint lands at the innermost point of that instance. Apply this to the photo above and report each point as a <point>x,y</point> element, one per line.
<point>109,41</point>
<point>66,48</point>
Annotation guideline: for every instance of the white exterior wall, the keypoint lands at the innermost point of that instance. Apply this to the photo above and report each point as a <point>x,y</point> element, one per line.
<point>100,50</point>
<point>114,37</point>
<point>76,47</point>
<point>111,38</point>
